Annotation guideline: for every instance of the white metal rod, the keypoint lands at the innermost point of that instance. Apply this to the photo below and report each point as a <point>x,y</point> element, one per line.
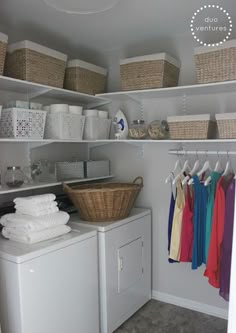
<point>201,152</point>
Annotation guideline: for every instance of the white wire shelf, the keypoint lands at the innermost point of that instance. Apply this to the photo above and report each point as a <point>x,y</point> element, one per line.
<point>50,184</point>
<point>34,90</point>
<point>196,89</point>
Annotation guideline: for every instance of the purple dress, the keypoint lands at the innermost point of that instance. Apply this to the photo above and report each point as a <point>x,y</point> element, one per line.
<point>227,242</point>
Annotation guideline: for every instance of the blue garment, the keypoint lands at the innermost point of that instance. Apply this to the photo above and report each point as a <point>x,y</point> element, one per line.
<point>199,221</point>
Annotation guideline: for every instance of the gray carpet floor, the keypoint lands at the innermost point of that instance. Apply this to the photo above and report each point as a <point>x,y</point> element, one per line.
<point>158,317</point>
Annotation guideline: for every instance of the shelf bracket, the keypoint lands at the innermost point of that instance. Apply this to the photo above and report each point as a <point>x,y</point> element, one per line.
<point>96,105</point>
<point>136,100</point>
<point>40,93</point>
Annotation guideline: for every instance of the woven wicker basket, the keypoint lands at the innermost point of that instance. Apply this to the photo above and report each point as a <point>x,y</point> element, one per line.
<point>104,201</point>
<point>148,72</point>
<point>216,64</point>
<point>85,78</point>
<point>35,63</point>
<point>3,49</point>
<point>191,127</point>
<point>226,123</point>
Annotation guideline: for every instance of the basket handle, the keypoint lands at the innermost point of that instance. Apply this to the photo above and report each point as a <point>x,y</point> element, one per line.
<point>66,188</point>
<point>140,179</point>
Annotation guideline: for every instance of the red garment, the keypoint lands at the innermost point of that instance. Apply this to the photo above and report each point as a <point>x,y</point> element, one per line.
<point>187,229</point>
<point>214,257</point>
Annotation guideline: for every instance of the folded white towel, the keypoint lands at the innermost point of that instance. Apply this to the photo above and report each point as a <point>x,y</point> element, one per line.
<point>37,206</point>
<point>35,199</point>
<point>38,236</point>
<point>37,211</point>
<point>30,223</point>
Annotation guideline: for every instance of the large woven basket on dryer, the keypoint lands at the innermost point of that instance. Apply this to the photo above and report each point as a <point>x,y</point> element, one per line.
<point>148,72</point>
<point>3,49</point>
<point>84,77</point>
<point>191,127</point>
<point>215,64</point>
<point>36,63</point>
<point>104,201</point>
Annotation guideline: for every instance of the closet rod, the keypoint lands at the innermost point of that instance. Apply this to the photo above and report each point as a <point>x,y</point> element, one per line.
<point>201,152</point>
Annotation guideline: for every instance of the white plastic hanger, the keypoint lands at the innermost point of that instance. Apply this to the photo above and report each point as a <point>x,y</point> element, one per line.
<point>206,166</point>
<point>218,168</point>
<point>192,172</point>
<point>228,167</point>
<point>185,168</point>
<point>170,178</point>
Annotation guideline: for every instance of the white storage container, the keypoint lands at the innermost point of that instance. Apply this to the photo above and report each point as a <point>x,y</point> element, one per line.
<point>69,170</point>
<point>64,126</point>
<point>22,123</point>
<point>97,128</point>
<point>94,169</point>
<point>18,104</point>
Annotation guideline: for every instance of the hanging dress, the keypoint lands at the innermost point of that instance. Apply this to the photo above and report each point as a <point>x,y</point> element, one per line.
<point>187,228</point>
<point>215,176</point>
<point>170,222</point>
<point>225,267</point>
<point>175,244</point>
<point>199,221</point>
<point>212,271</point>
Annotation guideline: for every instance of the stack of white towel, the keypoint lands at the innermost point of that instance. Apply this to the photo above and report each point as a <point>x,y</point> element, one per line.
<point>37,218</point>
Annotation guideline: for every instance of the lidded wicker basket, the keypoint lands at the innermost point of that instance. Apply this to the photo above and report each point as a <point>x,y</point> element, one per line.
<point>84,77</point>
<point>36,63</point>
<point>103,202</point>
<point>3,49</point>
<point>216,64</point>
<point>191,127</point>
<point>149,72</point>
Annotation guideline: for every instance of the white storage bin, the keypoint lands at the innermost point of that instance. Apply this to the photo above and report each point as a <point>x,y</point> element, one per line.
<point>97,128</point>
<point>22,123</point>
<point>94,169</point>
<point>18,104</point>
<point>64,126</point>
<point>69,170</point>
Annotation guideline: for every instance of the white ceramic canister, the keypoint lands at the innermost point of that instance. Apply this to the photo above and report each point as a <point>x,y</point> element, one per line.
<point>75,109</point>
<point>57,108</point>
<point>102,114</point>
<point>91,113</point>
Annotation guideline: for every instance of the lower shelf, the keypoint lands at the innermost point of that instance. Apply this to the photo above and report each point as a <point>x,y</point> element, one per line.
<point>51,184</point>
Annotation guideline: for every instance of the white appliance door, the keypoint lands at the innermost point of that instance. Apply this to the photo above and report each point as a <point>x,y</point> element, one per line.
<point>232,300</point>
<point>130,267</point>
<point>59,291</point>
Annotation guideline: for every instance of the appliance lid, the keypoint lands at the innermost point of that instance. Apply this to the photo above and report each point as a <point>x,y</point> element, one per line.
<point>135,214</point>
<point>19,252</point>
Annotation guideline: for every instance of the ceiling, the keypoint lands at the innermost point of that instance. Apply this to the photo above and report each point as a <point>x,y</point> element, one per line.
<point>128,23</point>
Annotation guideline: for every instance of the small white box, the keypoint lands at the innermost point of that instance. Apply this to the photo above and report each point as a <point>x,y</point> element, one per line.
<point>64,126</point>
<point>97,128</point>
<point>95,169</point>
<point>69,170</point>
<point>35,106</point>
<point>18,104</point>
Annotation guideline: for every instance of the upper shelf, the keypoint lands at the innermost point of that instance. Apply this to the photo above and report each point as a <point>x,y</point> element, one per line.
<point>197,89</point>
<point>34,90</point>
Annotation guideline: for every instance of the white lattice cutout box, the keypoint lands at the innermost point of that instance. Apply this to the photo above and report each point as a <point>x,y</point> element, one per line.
<point>22,123</point>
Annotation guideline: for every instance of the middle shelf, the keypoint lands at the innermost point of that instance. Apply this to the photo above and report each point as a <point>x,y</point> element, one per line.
<point>50,184</point>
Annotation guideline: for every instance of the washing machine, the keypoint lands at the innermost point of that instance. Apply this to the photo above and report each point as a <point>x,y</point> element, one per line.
<point>52,286</point>
<point>124,249</point>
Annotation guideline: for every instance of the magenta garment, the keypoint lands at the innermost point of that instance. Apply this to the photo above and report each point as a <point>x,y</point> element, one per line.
<point>227,242</point>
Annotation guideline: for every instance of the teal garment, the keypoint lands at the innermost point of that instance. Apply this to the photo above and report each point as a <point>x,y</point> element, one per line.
<point>215,176</point>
